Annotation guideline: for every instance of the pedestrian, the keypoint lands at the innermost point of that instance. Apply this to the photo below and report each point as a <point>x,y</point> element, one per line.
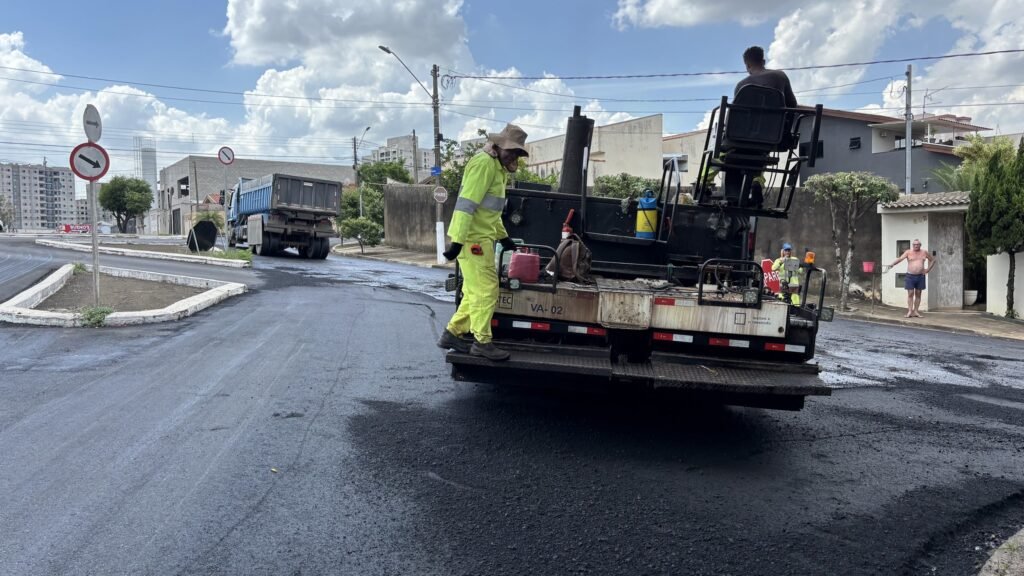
<point>790,271</point>
<point>919,263</point>
<point>477,223</point>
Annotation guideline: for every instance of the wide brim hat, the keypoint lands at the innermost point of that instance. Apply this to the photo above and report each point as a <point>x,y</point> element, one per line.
<point>511,137</point>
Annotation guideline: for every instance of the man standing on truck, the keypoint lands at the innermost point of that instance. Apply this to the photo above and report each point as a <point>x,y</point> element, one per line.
<point>477,222</point>
<point>789,269</point>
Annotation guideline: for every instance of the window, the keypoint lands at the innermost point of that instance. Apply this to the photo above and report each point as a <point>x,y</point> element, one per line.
<point>805,148</point>
<point>901,247</point>
<point>855,143</point>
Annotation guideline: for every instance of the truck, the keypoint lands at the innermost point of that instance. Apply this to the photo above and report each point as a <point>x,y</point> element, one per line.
<point>279,211</point>
<point>676,297</point>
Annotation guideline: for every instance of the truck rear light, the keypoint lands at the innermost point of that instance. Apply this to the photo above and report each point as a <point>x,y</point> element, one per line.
<point>729,343</point>
<point>542,326</point>
<point>669,337</point>
<point>589,331</point>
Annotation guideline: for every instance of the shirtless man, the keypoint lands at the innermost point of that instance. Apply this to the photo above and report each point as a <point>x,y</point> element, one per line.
<point>916,270</point>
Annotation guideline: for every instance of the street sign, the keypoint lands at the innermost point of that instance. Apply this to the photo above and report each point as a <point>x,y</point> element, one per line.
<point>771,278</point>
<point>89,161</point>
<point>435,171</point>
<point>225,155</point>
<point>92,123</point>
<point>440,195</point>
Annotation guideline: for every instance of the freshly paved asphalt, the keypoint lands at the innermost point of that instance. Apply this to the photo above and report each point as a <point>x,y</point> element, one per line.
<point>311,427</point>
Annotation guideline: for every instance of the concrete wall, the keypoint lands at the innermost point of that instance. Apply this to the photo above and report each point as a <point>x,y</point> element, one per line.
<point>835,135</point>
<point>410,216</point>
<point>903,227</point>
<point>998,271</point>
<point>690,144</point>
<point>810,226</point>
<point>946,242</point>
<point>633,147</point>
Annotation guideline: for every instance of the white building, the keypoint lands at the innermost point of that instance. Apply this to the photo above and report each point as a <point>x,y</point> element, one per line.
<point>418,160</point>
<point>145,169</point>
<point>634,147</point>
<point>687,148</point>
<point>43,196</point>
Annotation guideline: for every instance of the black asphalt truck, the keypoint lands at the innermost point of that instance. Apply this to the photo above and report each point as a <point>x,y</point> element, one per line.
<point>674,296</point>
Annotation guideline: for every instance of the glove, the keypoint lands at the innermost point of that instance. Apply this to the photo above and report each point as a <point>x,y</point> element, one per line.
<point>452,252</point>
<point>507,244</point>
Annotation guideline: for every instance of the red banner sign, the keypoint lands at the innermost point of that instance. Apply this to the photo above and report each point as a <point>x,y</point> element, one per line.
<point>771,279</point>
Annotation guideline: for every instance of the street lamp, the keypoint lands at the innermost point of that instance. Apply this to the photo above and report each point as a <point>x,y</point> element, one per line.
<point>355,166</point>
<point>439,242</point>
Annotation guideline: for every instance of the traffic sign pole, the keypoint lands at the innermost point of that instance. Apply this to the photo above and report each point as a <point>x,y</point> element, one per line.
<point>90,191</point>
<point>226,156</point>
<point>90,162</point>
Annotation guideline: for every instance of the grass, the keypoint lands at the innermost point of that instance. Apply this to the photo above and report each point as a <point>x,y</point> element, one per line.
<point>79,268</point>
<point>94,316</point>
<point>231,254</point>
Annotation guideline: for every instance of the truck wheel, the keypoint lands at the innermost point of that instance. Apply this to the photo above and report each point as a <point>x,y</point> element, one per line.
<point>303,251</point>
<point>325,248</point>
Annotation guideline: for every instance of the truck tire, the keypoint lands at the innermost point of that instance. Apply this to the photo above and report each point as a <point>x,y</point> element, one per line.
<point>267,246</point>
<point>325,248</point>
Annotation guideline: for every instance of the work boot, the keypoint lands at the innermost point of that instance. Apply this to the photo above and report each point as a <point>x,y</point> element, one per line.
<point>453,342</point>
<point>489,351</point>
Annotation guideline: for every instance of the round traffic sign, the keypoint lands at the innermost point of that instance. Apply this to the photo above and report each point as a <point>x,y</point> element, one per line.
<point>226,155</point>
<point>89,161</point>
<point>92,123</point>
<point>440,195</point>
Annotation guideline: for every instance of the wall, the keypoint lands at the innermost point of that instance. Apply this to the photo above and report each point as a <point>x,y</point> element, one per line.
<point>409,216</point>
<point>895,227</point>
<point>835,136</point>
<point>946,242</point>
<point>810,226</point>
<point>998,270</point>
<point>690,144</point>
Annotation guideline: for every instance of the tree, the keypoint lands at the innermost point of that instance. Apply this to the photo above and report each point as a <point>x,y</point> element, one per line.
<point>125,198</point>
<point>376,174</point>
<point>365,231</point>
<point>6,214</point>
<point>976,155</point>
<point>849,195</point>
<point>454,164</point>
<point>623,185</point>
<point>373,204</point>
<point>524,174</point>
<point>995,218</point>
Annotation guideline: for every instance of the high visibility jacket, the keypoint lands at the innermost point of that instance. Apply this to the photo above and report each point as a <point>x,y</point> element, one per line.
<point>477,215</point>
<point>791,277</point>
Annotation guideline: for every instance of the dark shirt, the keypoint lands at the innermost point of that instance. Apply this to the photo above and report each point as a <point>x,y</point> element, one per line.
<point>776,79</point>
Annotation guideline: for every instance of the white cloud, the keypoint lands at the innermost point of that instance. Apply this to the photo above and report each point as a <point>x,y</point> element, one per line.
<point>663,13</point>
<point>12,56</point>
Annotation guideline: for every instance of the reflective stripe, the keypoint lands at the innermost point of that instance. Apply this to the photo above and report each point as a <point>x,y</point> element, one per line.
<point>492,202</point>
<point>466,205</point>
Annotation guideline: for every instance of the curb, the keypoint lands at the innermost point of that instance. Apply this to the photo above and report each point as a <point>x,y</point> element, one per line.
<point>392,260</point>
<point>920,326</point>
<point>146,254</point>
<point>1008,559</point>
<point>21,308</point>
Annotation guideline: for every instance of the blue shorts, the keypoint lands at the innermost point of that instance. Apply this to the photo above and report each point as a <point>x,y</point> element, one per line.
<point>914,282</point>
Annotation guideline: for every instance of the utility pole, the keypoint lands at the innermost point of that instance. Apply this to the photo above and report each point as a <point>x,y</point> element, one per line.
<point>909,142</point>
<point>355,168</point>
<point>437,166</point>
<point>415,159</point>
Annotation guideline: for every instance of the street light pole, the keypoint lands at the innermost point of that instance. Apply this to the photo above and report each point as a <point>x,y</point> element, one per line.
<point>355,167</point>
<point>436,105</point>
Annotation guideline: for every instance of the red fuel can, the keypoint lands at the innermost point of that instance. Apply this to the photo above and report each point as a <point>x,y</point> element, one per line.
<point>524,266</point>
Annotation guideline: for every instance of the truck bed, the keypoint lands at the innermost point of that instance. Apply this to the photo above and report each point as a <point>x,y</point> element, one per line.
<point>289,193</point>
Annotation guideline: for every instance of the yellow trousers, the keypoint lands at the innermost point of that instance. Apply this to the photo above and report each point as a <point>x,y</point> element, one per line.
<point>479,291</point>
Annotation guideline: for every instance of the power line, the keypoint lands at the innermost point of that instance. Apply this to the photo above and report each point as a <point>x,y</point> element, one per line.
<point>734,72</point>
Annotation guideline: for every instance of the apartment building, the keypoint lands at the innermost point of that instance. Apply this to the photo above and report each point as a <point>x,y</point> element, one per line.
<point>43,196</point>
<point>408,150</point>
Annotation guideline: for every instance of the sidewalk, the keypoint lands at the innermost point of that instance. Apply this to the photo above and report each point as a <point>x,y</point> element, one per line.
<point>965,322</point>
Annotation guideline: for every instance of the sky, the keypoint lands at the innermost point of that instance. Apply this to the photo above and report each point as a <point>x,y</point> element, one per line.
<point>298,79</point>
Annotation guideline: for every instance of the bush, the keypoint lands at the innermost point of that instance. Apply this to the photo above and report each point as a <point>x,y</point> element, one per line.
<point>79,268</point>
<point>94,316</point>
<point>365,231</point>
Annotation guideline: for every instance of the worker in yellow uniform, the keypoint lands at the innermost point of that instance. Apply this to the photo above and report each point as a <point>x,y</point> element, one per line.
<point>475,227</point>
<point>790,272</point>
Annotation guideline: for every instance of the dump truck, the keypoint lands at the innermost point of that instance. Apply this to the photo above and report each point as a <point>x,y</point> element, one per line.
<point>675,297</point>
<point>279,211</point>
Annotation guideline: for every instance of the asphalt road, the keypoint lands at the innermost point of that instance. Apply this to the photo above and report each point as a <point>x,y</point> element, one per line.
<point>311,427</point>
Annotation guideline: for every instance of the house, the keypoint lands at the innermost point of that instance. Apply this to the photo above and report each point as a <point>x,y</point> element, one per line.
<point>855,141</point>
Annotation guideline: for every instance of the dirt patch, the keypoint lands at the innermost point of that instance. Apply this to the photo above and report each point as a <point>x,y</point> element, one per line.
<point>121,294</point>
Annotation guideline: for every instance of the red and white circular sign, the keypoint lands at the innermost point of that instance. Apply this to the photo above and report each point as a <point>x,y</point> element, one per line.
<point>89,161</point>
<point>226,155</point>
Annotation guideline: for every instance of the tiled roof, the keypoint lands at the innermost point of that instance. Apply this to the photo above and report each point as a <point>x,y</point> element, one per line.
<point>931,200</point>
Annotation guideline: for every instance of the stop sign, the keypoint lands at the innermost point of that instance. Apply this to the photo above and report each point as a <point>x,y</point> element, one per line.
<point>771,279</point>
